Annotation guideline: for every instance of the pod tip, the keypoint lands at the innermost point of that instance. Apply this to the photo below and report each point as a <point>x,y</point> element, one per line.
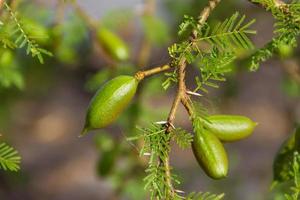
<point>83,132</point>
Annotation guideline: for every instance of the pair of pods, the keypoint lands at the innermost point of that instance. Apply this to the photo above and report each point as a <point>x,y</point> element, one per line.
<point>209,135</point>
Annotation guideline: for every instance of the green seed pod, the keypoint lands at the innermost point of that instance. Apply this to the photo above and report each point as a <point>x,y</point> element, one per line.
<point>109,101</point>
<point>229,128</point>
<point>112,44</point>
<point>210,153</point>
<point>107,162</point>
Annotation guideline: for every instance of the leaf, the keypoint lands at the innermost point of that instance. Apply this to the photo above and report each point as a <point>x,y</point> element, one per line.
<point>9,158</point>
<point>281,164</point>
<point>182,138</point>
<point>204,196</point>
<point>231,34</point>
<point>23,38</point>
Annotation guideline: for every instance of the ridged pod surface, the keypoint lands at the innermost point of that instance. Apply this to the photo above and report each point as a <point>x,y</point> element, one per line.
<point>210,153</point>
<point>109,101</point>
<point>230,128</point>
<point>113,44</point>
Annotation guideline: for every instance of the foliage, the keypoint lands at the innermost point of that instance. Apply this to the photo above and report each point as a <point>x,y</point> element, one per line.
<point>295,174</point>
<point>286,166</point>
<point>281,165</point>
<point>182,138</point>
<point>204,196</point>
<point>157,147</point>
<point>287,28</point>
<point>9,158</point>
<point>22,38</point>
<point>225,40</point>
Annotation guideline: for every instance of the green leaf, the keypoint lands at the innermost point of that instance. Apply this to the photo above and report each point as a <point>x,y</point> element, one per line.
<point>9,158</point>
<point>281,164</point>
<point>204,196</point>
<point>182,138</point>
<point>231,34</point>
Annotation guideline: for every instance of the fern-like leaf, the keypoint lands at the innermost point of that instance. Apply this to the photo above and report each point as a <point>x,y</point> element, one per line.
<point>9,158</point>
<point>232,33</point>
<point>213,66</point>
<point>182,138</point>
<point>23,39</point>
<point>204,196</point>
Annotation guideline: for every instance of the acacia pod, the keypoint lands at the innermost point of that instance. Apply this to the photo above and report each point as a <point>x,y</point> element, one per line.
<point>210,154</point>
<point>230,128</point>
<point>113,45</point>
<point>109,102</point>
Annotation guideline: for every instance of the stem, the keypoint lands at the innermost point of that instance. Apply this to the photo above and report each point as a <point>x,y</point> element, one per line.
<point>142,74</point>
<point>277,3</point>
<point>181,95</point>
<point>92,25</point>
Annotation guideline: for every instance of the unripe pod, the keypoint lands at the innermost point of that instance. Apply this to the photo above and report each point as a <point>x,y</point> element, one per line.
<point>210,154</point>
<point>229,128</point>
<point>112,44</point>
<point>109,101</point>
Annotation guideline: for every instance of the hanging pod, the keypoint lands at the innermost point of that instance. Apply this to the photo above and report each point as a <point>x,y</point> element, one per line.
<point>109,102</point>
<point>229,128</point>
<point>209,152</point>
<point>112,44</point>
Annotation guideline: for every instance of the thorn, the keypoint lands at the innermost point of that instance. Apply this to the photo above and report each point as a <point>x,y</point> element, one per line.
<point>194,93</point>
<point>180,191</point>
<point>161,122</point>
<point>172,125</point>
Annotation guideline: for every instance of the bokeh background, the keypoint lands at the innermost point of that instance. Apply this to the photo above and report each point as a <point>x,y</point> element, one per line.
<point>42,116</point>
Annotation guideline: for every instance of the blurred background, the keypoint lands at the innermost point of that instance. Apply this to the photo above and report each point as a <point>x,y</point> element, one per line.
<point>42,106</point>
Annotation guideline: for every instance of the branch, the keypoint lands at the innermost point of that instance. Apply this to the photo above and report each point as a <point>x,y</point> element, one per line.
<point>181,95</point>
<point>142,74</point>
<point>92,26</point>
<point>277,3</point>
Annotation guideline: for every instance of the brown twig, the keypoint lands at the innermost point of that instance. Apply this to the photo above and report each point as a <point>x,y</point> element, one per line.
<point>181,95</point>
<point>142,74</point>
<point>292,69</point>
<point>145,48</point>
<point>276,2</point>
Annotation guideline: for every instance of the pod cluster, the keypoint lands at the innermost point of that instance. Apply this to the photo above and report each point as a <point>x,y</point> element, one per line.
<point>209,135</point>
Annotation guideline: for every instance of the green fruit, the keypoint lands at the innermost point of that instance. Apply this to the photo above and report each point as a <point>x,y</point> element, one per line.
<point>229,128</point>
<point>285,50</point>
<point>6,58</point>
<point>210,153</point>
<point>107,162</point>
<point>109,101</point>
<point>113,45</point>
